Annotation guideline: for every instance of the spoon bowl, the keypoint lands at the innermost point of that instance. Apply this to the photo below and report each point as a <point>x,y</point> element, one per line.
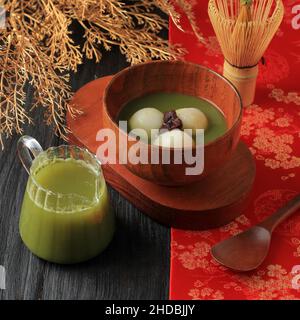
<point>247,250</point>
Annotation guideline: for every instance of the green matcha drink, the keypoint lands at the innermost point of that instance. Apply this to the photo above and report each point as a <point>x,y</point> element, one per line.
<point>164,102</point>
<point>66,216</point>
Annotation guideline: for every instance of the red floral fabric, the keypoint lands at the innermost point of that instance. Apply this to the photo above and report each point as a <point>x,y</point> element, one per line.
<point>271,129</point>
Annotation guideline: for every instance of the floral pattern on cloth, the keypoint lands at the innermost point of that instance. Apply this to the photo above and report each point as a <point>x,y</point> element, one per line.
<point>271,129</point>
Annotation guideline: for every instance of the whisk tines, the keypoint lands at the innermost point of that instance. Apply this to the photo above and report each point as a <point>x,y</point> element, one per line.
<point>244,29</point>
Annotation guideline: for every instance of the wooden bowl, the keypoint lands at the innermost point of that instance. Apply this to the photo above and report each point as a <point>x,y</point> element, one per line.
<point>181,77</point>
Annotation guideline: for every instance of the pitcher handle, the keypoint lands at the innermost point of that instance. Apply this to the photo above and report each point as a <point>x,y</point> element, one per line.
<point>28,149</point>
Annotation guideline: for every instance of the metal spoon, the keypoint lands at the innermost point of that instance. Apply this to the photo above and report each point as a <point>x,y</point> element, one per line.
<point>247,250</point>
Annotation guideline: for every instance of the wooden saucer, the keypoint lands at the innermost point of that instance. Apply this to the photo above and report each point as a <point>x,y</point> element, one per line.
<point>210,203</point>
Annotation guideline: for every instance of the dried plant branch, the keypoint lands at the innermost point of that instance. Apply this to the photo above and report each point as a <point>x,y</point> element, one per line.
<point>36,47</point>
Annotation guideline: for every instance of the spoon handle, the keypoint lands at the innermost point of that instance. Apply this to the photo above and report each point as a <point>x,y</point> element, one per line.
<point>275,219</point>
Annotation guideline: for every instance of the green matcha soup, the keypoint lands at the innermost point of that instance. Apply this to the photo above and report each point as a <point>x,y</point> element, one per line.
<point>164,102</point>
<point>66,215</point>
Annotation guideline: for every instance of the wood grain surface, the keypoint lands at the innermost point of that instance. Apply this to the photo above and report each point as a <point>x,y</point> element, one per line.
<point>136,264</point>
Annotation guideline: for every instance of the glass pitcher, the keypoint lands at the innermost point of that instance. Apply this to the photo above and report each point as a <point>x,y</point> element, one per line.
<point>66,216</point>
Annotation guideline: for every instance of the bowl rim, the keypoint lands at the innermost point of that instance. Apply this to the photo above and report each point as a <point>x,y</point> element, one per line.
<point>177,62</point>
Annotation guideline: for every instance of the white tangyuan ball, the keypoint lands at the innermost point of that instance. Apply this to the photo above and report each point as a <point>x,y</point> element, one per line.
<point>147,119</point>
<point>192,118</point>
<point>141,134</point>
<point>174,139</point>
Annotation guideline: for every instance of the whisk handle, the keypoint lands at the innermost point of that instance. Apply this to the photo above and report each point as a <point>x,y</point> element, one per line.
<point>244,79</point>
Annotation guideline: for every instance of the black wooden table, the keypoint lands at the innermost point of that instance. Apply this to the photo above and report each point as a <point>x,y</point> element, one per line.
<point>134,266</point>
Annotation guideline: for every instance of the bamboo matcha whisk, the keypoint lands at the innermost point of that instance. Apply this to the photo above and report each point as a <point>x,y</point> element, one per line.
<point>244,29</point>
